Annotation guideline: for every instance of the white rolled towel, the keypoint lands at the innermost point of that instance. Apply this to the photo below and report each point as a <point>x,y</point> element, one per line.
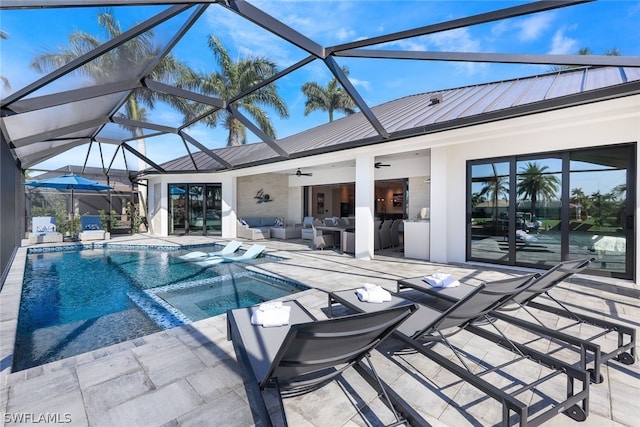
<point>373,293</point>
<point>441,280</point>
<point>271,317</point>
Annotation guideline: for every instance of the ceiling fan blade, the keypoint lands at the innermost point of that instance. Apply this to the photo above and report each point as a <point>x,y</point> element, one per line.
<point>379,165</point>
<point>300,173</point>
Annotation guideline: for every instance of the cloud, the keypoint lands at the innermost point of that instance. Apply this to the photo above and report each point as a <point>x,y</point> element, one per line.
<point>531,28</point>
<point>345,34</point>
<point>525,29</point>
<point>561,44</point>
<point>365,84</point>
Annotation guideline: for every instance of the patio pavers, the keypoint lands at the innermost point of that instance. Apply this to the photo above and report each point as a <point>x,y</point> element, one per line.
<point>188,375</point>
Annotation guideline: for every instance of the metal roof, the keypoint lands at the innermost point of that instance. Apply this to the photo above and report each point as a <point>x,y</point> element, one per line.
<point>41,120</point>
<point>420,114</point>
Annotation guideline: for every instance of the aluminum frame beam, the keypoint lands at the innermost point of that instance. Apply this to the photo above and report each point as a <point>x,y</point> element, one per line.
<point>503,58</point>
<point>52,4</point>
<point>204,149</point>
<point>496,15</point>
<point>257,131</point>
<point>80,61</point>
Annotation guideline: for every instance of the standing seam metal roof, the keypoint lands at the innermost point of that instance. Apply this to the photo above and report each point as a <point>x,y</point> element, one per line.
<point>415,114</point>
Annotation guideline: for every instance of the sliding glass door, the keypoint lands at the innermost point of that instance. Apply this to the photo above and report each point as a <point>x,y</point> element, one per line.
<point>195,209</point>
<point>536,211</point>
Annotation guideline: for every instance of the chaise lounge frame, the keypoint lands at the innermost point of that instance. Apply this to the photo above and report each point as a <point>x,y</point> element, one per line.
<point>427,326</point>
<point>308,353</point>
<point>588,349</point>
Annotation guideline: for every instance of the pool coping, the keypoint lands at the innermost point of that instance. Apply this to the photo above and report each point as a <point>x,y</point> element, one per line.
<point>10,302</point>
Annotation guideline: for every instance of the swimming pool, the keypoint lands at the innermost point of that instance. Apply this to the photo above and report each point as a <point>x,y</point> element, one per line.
<point>78,301</point>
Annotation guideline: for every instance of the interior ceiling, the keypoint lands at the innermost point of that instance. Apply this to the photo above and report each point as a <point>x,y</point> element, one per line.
<point>40,122</point>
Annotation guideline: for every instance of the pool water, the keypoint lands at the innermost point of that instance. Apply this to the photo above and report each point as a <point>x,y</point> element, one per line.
<point>78,301</point>
<point>211,299</point>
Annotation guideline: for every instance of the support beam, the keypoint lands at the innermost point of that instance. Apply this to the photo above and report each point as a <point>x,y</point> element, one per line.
<point>257,131</point>
<point>204,149</point>
<point>496,15</point>
<point>355,95</point>
<point>93,54</point>
<point>365,195</point>
<point>143,158</point>
<point>501,58</point>
<point>276,27</point>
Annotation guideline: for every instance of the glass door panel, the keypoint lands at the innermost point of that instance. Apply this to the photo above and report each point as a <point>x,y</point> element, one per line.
<point>177,208</point>
<point>214,209</point>
<point>489,219</point>
<point>196,209</point>
<point>538,211</point>
<point>600,223</point>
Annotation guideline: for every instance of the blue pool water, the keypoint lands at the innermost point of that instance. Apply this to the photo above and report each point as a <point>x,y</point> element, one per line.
<point>78,301</point>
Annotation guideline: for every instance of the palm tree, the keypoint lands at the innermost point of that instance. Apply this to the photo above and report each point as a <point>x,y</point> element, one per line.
<point>579,197</point>
<point>585,51</point>
<point>5,81</point>
<point>234,78</point>
<point>116,64</point>
<point>495,187</point>
<point>328,98</point>
<point>535,182</point>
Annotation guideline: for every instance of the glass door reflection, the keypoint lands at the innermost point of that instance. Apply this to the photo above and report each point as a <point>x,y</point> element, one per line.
<point>196,209</point>
<point>601,221</point>
<point>489,219</point>
<point>539,211</point>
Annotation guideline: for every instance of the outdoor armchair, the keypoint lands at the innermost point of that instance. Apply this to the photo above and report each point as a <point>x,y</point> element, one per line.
<point>43,230</point>
<point>91,228</point>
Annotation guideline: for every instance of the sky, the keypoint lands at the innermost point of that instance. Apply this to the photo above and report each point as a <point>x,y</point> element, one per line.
<point>601,26</point>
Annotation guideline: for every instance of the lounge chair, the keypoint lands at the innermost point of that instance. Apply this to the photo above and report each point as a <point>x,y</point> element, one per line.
<point>428,326</point>
<point>253,252</point>
<point>229,248</point>
<point>589,349</point>
<point>43,230</point>
<point>307,354</point>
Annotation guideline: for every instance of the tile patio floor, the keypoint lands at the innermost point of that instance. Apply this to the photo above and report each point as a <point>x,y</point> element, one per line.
<point>188,376</point>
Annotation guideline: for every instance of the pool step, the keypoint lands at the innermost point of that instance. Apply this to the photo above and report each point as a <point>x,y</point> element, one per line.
<point>162,314</point>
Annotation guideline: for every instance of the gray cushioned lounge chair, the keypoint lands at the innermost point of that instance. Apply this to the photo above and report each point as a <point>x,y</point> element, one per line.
<point>306,354</point>
<point>428,326</point>
<point>589,349</point>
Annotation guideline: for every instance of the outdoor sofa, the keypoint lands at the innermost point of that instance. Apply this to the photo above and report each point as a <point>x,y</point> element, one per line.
<point>256,228</point>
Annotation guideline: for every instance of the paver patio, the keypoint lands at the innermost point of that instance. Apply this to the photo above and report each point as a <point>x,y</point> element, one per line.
<point>189,376</point>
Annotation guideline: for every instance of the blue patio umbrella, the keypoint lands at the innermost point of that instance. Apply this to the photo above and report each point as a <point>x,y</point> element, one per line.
<point>69,182</point>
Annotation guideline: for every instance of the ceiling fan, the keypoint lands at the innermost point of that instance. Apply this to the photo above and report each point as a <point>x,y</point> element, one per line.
<point>300,173</point>
<point>379,165</point>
